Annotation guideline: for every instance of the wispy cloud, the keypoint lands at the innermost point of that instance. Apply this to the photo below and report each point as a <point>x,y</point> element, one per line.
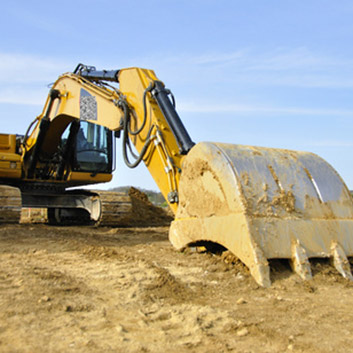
<point>204,108</point>
<point>219,58</point>
<point>24,95</point>
<point>20,68</point>
<point>24,79</point>
<point>293,67</point>
<point>284,59</point>
<point>243,68</point>
<point>331,143</point>
<point>279,59</point>
<point>28,16</point>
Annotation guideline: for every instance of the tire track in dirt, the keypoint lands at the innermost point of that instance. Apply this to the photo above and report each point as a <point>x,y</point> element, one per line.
<point>126,290</point>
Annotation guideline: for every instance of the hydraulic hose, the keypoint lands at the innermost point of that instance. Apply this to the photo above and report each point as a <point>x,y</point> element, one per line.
<point>137,131</point>
<point>126,141</point>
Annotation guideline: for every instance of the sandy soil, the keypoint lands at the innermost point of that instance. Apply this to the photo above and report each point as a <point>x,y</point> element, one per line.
<point>82,289</point>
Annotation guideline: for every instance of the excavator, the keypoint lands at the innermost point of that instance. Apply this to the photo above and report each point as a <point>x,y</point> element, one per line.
<point>259,203</point>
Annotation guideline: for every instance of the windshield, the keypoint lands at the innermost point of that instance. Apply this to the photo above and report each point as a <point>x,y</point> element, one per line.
<point>93,148</point>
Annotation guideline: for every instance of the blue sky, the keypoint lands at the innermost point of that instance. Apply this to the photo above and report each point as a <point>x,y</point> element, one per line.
<point>266,73</point>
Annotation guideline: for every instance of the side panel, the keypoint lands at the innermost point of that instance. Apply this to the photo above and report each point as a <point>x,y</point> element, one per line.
<point>10,162</point>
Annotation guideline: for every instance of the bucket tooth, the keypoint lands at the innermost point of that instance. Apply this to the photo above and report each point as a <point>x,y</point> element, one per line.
<point>300,262</point>
<point>259,268</point>
<point>340,261</point>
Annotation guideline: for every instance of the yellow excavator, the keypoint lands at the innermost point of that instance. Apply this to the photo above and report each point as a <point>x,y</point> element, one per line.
<point>259,203</point>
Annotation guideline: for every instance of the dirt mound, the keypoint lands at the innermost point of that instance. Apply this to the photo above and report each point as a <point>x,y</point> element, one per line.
<point>144,213</point>
<point>167,287</point>
<point>133,192</point>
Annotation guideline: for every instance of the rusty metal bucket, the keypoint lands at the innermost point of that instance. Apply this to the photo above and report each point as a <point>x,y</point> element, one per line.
<point>264,203</point>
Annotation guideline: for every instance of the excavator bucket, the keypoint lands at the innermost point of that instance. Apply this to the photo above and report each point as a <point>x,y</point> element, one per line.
<point>264,203</point>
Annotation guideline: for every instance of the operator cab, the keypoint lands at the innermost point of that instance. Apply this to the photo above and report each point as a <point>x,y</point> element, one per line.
<point>93,148</point>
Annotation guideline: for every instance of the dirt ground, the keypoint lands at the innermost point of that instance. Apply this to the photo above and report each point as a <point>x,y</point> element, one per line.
<point>86,289</point>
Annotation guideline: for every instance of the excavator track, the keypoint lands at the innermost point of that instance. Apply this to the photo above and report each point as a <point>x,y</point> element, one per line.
<point>99,208</point>
<point>116,209</point>
<point>108,209</point>
<point>10,204</point>
<point>130,210</point>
